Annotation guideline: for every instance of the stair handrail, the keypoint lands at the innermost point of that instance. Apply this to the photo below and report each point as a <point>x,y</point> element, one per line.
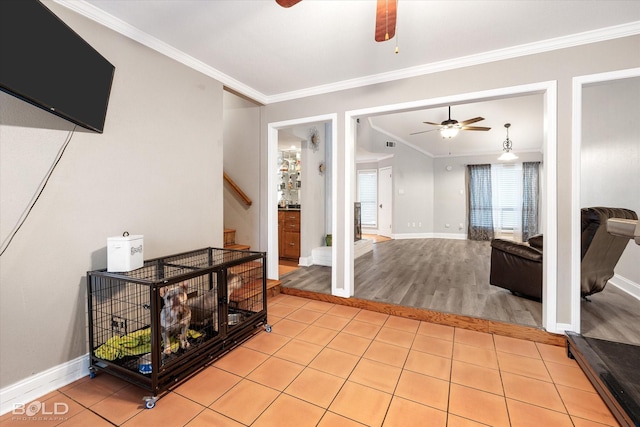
<point>237,189</point>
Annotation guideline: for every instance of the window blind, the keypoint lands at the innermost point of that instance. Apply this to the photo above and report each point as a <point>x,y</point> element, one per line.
<point>507,196</point>
<point>368,197</point>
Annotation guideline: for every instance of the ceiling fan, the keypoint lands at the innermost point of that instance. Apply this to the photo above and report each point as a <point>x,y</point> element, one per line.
<point>385,17</point>
<point>450,128</point>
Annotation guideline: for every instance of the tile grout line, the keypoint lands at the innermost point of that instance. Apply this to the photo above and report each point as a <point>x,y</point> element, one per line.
<point>504,392</point>
<point>360,358</point>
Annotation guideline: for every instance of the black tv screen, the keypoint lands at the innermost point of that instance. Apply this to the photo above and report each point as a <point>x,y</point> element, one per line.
<point>46,63</point>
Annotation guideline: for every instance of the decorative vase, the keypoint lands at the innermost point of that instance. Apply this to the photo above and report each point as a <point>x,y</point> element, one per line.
<point>328,239</point>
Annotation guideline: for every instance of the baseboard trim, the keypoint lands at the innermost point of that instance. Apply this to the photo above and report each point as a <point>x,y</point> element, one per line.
<point>29,389</point>
<point>453,236</point>
<point>305,261</point>
<point>626,285</point>
<point>406,236</point>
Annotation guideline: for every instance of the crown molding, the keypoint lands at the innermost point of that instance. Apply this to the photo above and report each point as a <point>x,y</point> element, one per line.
<point>495,152</point>
<point>109,21</point>
<point>594,36</point>
<point>398,139</point>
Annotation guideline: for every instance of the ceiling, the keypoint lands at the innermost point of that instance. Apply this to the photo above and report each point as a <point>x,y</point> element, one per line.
<point>269,53</point>
<point>524,113</point>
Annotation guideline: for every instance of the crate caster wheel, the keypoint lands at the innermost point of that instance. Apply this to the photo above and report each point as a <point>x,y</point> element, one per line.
<point>150,402</point>
<point>268,328</point>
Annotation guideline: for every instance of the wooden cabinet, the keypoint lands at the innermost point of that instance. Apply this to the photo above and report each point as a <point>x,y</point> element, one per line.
<point>280,233</point>
<point>289,234</point>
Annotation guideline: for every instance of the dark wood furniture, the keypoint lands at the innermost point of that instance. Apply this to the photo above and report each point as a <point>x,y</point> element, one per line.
<point>289,234</point>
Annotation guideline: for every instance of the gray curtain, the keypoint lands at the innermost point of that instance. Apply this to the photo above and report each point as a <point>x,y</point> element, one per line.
<point>480,209</point>
<point>530,199</point>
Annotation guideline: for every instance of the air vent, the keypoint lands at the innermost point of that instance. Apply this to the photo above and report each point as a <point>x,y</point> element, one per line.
<point>391,144</point>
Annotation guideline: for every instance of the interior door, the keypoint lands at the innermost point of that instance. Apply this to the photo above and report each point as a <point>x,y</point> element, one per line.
<point>385,201</point>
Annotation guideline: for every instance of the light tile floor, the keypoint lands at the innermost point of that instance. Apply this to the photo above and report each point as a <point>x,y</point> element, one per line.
<point>328,365</point>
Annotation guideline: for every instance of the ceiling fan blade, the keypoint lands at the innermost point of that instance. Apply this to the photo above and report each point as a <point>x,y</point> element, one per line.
<point>287,3</point>
<point>424,131</point>
<point>468,122</point>
<point>386,20</point>
<point>434,124</point>
<point>474,128</point>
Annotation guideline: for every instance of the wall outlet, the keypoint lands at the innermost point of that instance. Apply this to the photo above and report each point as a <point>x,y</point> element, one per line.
<point>447,225</point>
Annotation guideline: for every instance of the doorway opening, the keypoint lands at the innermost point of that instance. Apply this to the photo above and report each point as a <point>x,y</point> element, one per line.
<point>316,171</point>
<point>549,180</point>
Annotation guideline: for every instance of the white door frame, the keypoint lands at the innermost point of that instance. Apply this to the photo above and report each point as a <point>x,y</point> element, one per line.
<point>272,194</point>
<point>549,204</point>
<point>383,230</point>
<point>576,146</point>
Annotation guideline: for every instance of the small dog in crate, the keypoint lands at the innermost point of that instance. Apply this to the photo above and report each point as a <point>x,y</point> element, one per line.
<point>203,307</point>
<point>234,281</point>
<point>175,316</point>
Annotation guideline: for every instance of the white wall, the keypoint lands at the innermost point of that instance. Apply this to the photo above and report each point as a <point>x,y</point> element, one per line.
<point>413,187</point>
<point>242,164</point>
<point>610,157</point>
<point>413,191</point>
<point>156,170</point>
<point>312,208</point>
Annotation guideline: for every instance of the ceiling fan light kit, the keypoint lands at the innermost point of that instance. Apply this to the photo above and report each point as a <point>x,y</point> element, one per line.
<point>449,131</point>
<point>507,146</point>
<point>450,127</point>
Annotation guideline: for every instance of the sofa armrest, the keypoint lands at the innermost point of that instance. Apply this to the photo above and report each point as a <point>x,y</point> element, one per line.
<point>517,249</point>
<point>536,242</point>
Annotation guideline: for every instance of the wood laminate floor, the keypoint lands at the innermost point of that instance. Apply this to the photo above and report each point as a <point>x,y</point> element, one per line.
<point>452,276</point>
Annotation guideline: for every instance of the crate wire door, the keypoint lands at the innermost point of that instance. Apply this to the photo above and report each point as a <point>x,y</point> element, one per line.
<point>226,294</point>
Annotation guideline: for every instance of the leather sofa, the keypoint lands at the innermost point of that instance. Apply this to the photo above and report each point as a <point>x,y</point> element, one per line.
<point>518,266</point>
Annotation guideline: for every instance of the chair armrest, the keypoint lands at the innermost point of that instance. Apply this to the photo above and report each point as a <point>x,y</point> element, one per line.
<point>517,249</point>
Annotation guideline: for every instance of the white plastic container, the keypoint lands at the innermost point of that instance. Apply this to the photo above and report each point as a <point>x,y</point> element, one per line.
<point>125,253</point>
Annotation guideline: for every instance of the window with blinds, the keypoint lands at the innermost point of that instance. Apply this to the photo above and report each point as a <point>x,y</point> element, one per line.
<point>506,184</point>
<point>368,197</point>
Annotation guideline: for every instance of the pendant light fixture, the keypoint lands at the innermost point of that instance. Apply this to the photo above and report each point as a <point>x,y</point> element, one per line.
<point>507,146</point>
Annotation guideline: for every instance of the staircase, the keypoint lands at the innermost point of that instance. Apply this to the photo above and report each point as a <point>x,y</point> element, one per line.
<point>273,286</point>
<point>250,288</point>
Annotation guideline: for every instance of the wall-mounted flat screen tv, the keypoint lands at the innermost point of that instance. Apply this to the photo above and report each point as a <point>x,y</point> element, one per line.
<point>46,63</point>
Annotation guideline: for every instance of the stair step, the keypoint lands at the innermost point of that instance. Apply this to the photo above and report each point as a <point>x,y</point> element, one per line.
<point>247,269</point>
<point>271,283</point>
<point>248,297</point>
<point>229,236</point>
<point>273,287</point>
<point>237,247</point>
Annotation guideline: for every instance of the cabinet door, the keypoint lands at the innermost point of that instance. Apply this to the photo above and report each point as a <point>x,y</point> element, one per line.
<point>291,247</point>
<point>281,233</point>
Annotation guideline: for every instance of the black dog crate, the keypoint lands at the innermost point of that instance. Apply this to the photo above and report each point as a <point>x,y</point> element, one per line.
<point>226,296</point>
